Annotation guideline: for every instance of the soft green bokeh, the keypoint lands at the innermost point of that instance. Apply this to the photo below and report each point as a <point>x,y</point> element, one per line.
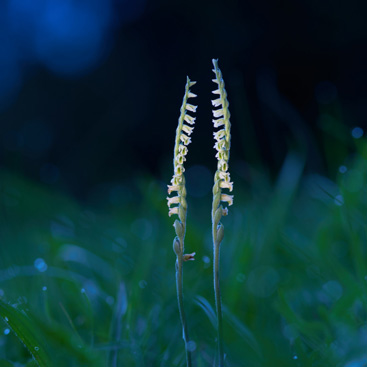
<point>97,285</point>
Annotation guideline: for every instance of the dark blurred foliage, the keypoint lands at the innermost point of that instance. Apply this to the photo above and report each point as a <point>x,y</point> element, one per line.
<point>90,90</point>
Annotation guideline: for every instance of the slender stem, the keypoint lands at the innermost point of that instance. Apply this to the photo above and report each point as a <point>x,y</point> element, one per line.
<point>218,300</point>
<point>179,285</point>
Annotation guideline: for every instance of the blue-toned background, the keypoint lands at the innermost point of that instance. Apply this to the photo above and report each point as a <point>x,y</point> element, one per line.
<point>90,92</point>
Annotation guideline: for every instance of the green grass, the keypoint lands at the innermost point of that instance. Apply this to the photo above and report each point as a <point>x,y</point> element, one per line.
<point>294,274</point>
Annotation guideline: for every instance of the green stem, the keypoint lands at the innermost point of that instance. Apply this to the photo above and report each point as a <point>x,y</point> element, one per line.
<point>179,285</point>
<point>218,300</point>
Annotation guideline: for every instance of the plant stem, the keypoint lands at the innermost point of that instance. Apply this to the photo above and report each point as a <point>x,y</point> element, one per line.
<point>179,285</point>
<point>218,300</point>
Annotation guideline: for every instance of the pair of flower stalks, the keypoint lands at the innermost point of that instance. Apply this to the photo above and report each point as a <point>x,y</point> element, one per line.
<point>178,205</point>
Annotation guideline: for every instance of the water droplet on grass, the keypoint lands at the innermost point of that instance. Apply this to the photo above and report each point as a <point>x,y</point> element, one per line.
<point>295,357</point>
<point>343,169</point>
<point>44,288</point>
<point>36,349</point>
<point>357,132</point>
<point>6,331</point>
<point>40,265</point>
<point>191,346</point>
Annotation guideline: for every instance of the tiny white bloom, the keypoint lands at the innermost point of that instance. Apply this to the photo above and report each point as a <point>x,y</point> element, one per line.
<point>173,210</point>
<point>189,119</point>
<point>216,102</point>
<point>226,185</point>
<point>173,188</point>
<point>191,95</point>
<point>173,200</point>
<point>217,91</point>
<point>218,113</point>
<point>219,134</point>
<point>185,139</point>
<point>191,107</point>
<point>218,123</point>
<point>227,198</point>
<point>187,129</point>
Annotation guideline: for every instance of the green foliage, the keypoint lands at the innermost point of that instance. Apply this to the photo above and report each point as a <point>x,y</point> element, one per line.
<point>293,274</point>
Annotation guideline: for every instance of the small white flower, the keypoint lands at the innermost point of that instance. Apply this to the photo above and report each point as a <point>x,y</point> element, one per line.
<point>220,145</point>
<point>218,113</point>
<point>182,149</point>
<point>192,83</point>
<point>191,107</point>
<point>216,102</point>
<point>173,210</point>
<point>185,139</point>
<point>179,170</point>
<point>173,200</point>
<point>187,129</point>
<point>191,95</point>
<point>217,91</point>
<point>218,123</point>
<point>189,119</point>
<point>226,185</point>
<point>215,81</point>
<point>189,257</point>
<point>219,134</point>
<point>172,188</point>
<point>227,198</point>
<point>180,159</point>
<point>224,176</point>
<point>222,165</point>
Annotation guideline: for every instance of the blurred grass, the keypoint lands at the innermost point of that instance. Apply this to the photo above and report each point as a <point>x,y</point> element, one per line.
<point>94,285</point>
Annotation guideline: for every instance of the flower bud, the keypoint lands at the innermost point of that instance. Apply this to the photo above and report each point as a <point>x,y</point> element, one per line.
<point>179,228</point>
<point>218,215</point>
<point>220,233</point>
<point>176,246</point>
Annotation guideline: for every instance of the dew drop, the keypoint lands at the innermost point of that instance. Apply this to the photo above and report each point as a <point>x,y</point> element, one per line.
<point>40,265</point>
<point>143,284</point>
<point>6,331</point>
<point>343,169</point>
<point>357,132</point>
<point>44,288</point>
<point>36,349</point>
<point>206,259</point>
<point>295,357</point>
<point>191,346</point>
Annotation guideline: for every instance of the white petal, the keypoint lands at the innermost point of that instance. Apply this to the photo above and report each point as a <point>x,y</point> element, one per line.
<point>227,198</point>
<point>216,102</point>
<point>192,83</point>
<point>226,185</point>
<point>189,119</point>
<point>190,107</point>
<point>173,210</point>
<point>218,113</point>
<point>219,134</point>
<point>217,91</point>
<point>191,95</point>
<point>215,81</point>
<point>187,129</point>
<point>219,122</point>
<point>173,200</point>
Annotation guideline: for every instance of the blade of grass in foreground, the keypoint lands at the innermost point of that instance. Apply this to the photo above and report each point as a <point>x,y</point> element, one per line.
<point>26,331</point>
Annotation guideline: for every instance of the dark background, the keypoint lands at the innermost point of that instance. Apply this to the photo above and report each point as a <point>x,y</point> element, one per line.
<point>90,91</point>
